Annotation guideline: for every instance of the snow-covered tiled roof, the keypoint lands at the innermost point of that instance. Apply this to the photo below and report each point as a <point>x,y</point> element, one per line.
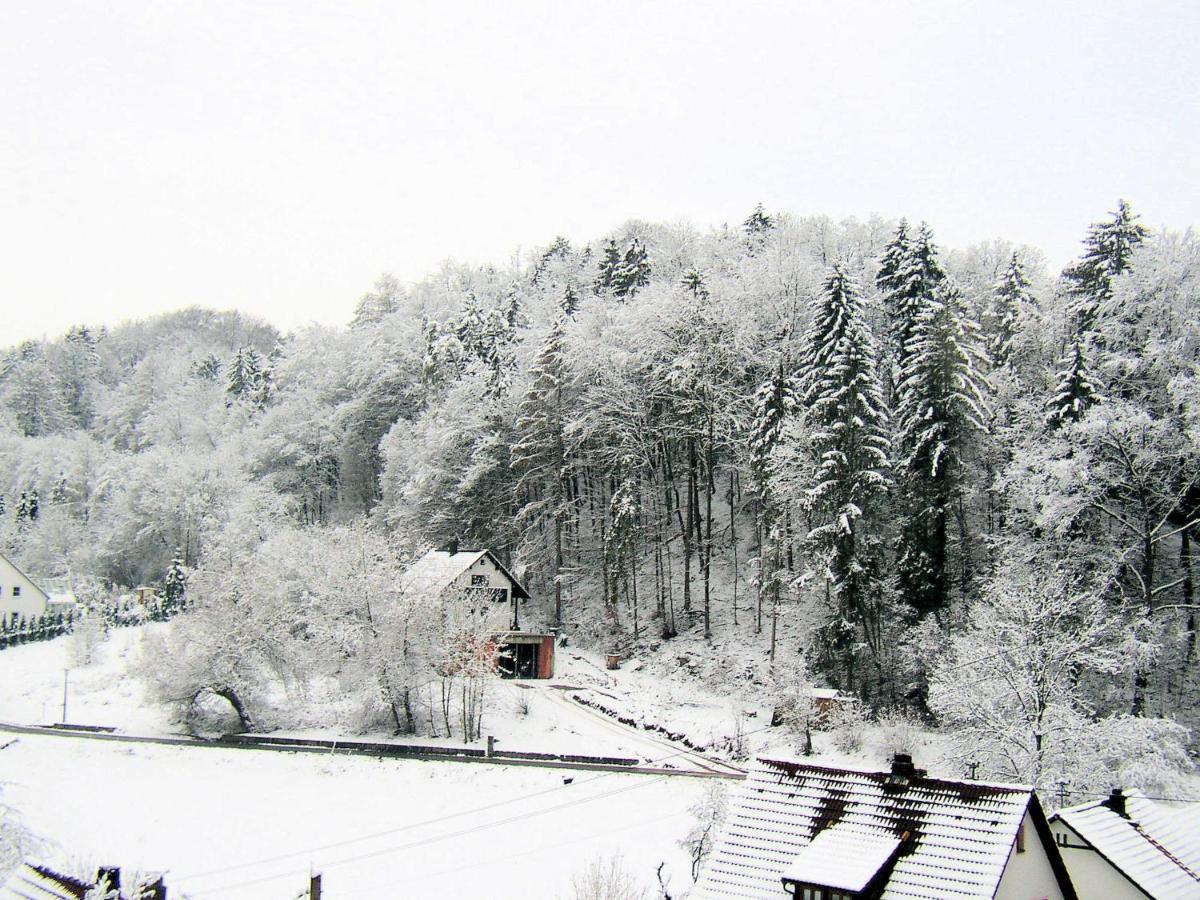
<point>842,858</point>
<point>30,882</point>
<point>437,569</point>
<point>1157,848</point>
<point>959,834</point>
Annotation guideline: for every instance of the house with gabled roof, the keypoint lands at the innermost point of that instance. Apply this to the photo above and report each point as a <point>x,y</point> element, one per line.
<point>812,832</point>
<point>1129,846</point>
<point>479,577</point>
<point>19,595</point>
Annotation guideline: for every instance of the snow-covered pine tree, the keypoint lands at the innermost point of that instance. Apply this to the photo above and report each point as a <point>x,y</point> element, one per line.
<point>693,281</point>
<point>844,407</point>
<point>610,263</point>
<point>941,403</point>
<point>174,585</point>
<point>633,272</point>
<point>539,456</point>
<point>1010,294</point>
<point>757,224</point>
<point>245,374</point>
<point>1075,391</point>
<point>28,506</point>
<point>909,274</point>
<point>208,368</point>
<point>1108,250</point>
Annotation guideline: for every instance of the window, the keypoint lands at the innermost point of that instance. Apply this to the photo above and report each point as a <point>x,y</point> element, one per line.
<point>810,892</point>
<point>479,581</point>
<point>16,590</point>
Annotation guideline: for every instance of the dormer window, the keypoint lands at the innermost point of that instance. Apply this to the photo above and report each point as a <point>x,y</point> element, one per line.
<point>842,863</point>
<point>814,892</point>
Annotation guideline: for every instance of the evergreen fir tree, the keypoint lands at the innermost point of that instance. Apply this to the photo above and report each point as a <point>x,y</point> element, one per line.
<point>570,300</point>
<point>634,271</point>
<point>609,265</point>
<point>28,506</point>
<point>1108,251</point>
<point>758,223</point>
<point>245,374</point>
<point>845,407</point>
<point>174,585</point>
<point>941,403</point>
<point>207,368</point>
<point>909,275</point>
<point>1074,392</point>
<point>1011,293</point>
<point>693,281</point>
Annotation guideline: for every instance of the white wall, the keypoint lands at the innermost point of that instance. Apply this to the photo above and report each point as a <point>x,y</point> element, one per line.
<point>30,603</point>
<point>499,615</point>
<point>1028,875</point>
<point>1090,872</point>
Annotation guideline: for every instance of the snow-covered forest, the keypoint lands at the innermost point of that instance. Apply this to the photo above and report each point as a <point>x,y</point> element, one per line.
<point>945,479</point>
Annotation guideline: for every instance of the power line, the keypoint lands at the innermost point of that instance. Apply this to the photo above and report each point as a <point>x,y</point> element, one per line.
<point>535,851</point>
<point>432,840</point>
<point>412,825</point>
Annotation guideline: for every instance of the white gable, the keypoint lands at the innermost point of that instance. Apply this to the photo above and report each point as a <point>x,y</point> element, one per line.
<point>1156,848</point>
<point>18,594</point>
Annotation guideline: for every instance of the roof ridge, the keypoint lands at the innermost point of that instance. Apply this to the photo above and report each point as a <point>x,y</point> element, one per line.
<point>1165,852</point>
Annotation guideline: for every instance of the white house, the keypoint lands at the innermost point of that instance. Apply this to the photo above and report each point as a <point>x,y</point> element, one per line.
<point>19,596</point>
<point>810,832</point>
<point>1127,846</point>
<point>479,577</point>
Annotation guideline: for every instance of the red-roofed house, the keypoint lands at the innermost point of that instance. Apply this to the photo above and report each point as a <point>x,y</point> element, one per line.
<point>819,833</point>
<point>1127,846</point>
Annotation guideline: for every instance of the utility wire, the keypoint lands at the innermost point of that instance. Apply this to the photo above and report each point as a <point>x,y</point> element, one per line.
<point>431,840</point>
<point>410,826</point>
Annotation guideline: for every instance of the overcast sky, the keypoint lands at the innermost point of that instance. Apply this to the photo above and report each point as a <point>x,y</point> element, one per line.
<point>276,157</point>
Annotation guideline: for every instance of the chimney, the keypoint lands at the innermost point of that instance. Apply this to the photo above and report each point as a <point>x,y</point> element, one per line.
<point>902,766</point>
<point>1116,802</point>
<point>111,876</point>
<point>452,547</point>
<point>154,890</point>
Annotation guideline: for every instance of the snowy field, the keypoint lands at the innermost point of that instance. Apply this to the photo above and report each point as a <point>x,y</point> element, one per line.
<point>225,823</point>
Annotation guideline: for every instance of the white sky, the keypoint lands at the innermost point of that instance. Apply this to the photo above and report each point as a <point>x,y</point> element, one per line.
<point>276,157</point>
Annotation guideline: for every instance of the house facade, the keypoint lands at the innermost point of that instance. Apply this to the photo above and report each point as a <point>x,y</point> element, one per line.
<point>1129,847</point>
<point>479,578</point>
<point>803,832</point>
<point>19,596</point>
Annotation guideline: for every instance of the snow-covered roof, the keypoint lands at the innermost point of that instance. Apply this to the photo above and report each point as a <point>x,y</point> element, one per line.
<point>30,882</point>
<point>842,858</point>
<point>1157,848</point>
<point>437,569</point>
<point>956,836</point>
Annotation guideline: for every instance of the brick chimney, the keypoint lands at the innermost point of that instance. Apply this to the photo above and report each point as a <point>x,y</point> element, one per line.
<point>452,547</point>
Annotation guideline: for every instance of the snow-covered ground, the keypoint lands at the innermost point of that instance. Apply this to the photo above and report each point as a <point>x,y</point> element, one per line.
<point>227,823</point>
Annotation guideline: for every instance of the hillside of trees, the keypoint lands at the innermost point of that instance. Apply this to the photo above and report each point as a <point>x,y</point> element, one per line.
<point>950,480</point>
